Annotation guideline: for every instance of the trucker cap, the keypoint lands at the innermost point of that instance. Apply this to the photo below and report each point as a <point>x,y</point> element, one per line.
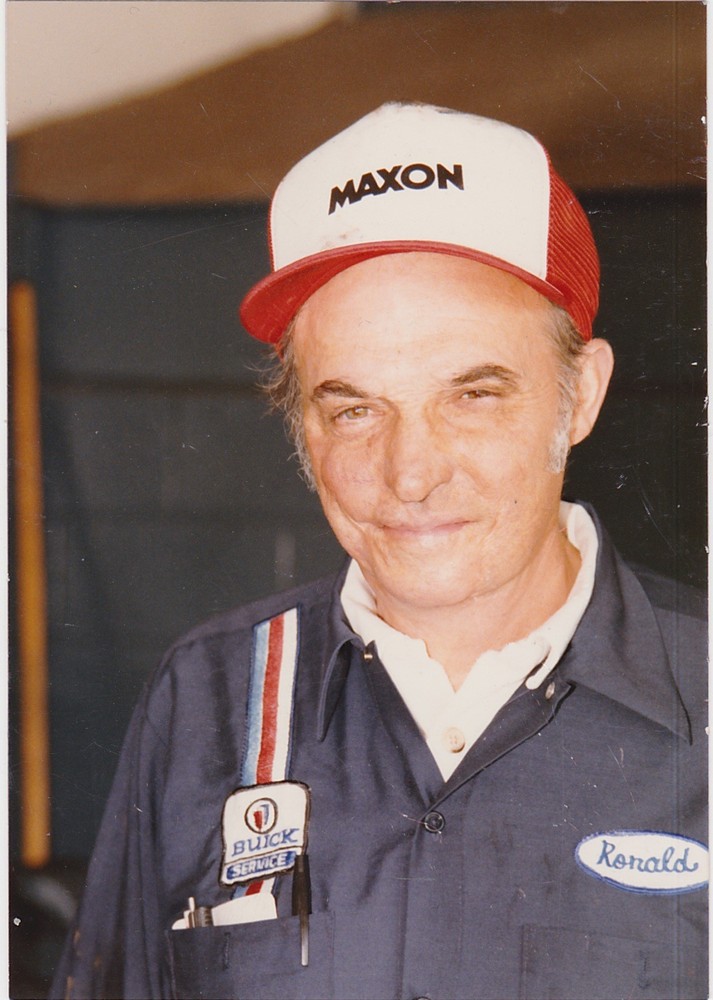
<point>412,177</point>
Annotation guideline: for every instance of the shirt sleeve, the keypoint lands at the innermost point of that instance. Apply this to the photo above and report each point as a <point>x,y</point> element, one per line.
<point>115,947</point>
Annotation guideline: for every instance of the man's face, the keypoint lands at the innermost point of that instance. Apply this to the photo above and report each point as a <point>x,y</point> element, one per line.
<point>430,405</point>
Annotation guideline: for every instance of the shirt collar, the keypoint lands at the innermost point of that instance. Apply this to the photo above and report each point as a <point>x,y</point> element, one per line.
<point>618,650</point>
<point>340,638</point>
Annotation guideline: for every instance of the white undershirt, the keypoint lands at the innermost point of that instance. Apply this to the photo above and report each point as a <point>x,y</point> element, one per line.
<point>451,721</point>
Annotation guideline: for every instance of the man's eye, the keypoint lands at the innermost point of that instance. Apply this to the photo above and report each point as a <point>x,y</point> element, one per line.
<point>477,393</point>
<point>353,413</point>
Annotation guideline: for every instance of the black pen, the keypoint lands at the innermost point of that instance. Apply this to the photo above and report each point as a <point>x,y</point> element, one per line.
<point>302,903</point>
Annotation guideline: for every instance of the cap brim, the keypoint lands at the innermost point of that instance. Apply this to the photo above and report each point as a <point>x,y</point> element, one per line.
<point>270,305</point>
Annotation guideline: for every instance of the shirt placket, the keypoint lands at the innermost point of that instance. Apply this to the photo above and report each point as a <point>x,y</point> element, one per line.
<point>440,844</point>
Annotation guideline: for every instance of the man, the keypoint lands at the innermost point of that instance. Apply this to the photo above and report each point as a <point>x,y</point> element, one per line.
<point>472,764</point>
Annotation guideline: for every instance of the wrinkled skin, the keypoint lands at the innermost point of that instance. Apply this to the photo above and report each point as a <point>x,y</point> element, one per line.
<point>430,407</point>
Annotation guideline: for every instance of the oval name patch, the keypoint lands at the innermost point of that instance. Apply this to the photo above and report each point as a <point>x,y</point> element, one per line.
<point>643,861</point>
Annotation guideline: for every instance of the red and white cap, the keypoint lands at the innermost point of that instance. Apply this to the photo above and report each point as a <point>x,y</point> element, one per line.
<point>412,177</point>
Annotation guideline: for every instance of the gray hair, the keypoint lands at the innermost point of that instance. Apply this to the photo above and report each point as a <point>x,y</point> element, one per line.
<point>282,385</point>
<point>568,345</point>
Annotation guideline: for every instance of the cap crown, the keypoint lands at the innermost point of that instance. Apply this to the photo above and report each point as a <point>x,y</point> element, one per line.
<point>416,177</point>
<point>411,172</point>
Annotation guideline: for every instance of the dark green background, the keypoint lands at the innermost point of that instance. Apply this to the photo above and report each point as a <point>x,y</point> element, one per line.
<point>170,495</point>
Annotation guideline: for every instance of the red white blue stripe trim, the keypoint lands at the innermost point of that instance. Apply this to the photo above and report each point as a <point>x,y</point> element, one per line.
<point>266,757</point>
<point>272,681</point>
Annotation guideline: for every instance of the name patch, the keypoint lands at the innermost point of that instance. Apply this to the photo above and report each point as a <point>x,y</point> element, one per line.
<point>264,829</point>
<point>643,861</point>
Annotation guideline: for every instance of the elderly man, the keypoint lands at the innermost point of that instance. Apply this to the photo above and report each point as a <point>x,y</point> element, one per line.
<point>471,765</point>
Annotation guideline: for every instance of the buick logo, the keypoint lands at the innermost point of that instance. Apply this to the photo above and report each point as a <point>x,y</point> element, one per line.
<point>261,815</point>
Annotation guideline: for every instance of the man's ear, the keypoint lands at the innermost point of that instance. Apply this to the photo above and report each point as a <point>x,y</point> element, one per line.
<point>596,365</point>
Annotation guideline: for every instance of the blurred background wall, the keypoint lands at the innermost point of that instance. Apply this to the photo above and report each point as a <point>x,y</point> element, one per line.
<point>145,141</point>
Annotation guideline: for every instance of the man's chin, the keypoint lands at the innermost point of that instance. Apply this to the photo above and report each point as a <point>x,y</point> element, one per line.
<point>425,591</point>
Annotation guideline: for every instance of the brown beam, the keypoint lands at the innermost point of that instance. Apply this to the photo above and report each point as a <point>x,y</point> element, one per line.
<point>30,576</point>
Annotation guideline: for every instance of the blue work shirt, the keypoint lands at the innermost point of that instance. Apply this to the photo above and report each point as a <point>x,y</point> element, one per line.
<point>468,888</point>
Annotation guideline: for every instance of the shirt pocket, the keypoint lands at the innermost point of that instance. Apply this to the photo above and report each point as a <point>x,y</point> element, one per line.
<point>258,961</point>
<point>558,963</point>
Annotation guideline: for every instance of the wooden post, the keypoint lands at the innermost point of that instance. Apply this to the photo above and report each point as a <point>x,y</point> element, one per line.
<point>30,576</point>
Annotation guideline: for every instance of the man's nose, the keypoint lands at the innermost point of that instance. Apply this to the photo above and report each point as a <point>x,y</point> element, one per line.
<point>416,460</point>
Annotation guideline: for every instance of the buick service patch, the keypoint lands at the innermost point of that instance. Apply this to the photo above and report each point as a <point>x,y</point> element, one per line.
<point>643,861</point>
<point>264,829</point>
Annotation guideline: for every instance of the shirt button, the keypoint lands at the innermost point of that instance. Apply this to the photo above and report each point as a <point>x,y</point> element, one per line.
<point>434,822</point>
<point>453,739</point>
<point>550,691</point>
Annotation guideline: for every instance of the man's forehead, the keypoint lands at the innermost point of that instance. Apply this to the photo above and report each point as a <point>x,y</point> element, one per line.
<point>409,282</point>
<point>417,307</point>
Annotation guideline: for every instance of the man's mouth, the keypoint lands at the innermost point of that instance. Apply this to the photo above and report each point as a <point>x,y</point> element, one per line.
<point>425,530</point>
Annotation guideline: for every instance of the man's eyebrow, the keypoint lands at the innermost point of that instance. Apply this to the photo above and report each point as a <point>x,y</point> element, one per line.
<point>482,372</point>
<point>336,387</point>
